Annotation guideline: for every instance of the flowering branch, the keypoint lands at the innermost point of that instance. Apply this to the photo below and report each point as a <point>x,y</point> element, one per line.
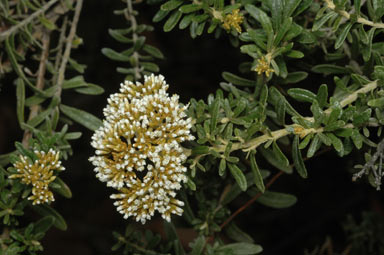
<point>346,15</point>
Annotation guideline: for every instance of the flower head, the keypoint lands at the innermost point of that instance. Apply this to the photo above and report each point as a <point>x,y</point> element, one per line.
<point>233,20</point>
<point>263,67</point>
<point>39,174</point>
<point>138,149</point>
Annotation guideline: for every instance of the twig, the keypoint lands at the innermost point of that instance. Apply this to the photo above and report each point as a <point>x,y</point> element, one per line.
<point>275,135</point>
<point>4,35</point>
<point>135,55</point>
<point>346,15</point>
<point>371,165</point>
<point>34,109</point>
<point>251,201</point>
<point>59,53</point>
<point>68,46</point>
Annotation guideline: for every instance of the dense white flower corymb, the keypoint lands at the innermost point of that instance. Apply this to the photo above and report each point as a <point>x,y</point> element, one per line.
<point>138,149</point>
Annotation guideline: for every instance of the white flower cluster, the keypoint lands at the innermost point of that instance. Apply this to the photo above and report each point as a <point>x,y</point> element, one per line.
<point>138,149</point>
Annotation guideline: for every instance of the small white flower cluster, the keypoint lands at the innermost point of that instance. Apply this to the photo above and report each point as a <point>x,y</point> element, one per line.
<point>141,136</point>
<point>39,174</point>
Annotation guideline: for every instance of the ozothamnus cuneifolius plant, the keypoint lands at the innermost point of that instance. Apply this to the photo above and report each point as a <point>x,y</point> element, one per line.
<point>325,56</point>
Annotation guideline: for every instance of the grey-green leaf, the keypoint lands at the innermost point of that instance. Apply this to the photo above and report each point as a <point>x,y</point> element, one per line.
<point>172,21</point>
<point>239,249</point>
<point>239,176</point>
<point>237,80</point>
<point>20,97</point>
<point>277,200</point>
<point>82,117</point>
<point>115,55</point>
<point>258,179</point>
<point>341,38</point>
<point>298,159</point>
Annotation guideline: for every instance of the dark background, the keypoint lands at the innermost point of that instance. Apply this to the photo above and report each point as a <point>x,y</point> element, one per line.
<point>193,69</point>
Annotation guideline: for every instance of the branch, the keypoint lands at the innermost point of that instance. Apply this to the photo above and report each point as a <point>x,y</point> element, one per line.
<point>135,55</point>
<point>346,15</point>
<point>4,35</point>
<point>40,82</point>
<point>371,165</point>
<point>68,46</point>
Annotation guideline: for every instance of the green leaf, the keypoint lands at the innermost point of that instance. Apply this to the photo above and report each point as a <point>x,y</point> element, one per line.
<point>270,156</point>
<point>75,82</point>
<point>20,97</point>
<point>171,5</point>
<point>298,159</point>
<point>258,179</point>
<point>172,21</point>
<point>367,51</point>
<point>294,77</point>
<point>61,188</point>
<point>153,51</point>
<point>46,210</point>
<point>336,142</point>
<point>186,21</point>
<point>43,224</point>
<point>314,146</point>
<point>214,112</point>
<point>236,234</point>
<point>11,54</point>
<point>275,96</point>
<point>295,54</point>
<point>279,154</point>
<point>362,117</point>
<point>151,67</point>
<point>302,95</point>
<point>277,200</point>
<point>265,21</point>
<point>72,136</point>
<point>377,102</point>
<point>322,95</point>
<point>330,69</point>
<point>82,117</point>
<point>239,249</point>
<point>239,176</point>
<point>341,38</point>
<point>334,115</point>
<point>357,139</point>
<point>198,246</point>
<point>75,65</point>
<point>91,89</point>
<point>280,111</point>
<point>118,36</point>
<point>320,22</point>
<point>236,80</point>
<point>198,150</point>
<point>289,7</point>
<point>47,23</point>
<point>188,8</point>
<point>39,118</point>
<point>115,55</point>
<point>160,15</point>
<point>282,30</point>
